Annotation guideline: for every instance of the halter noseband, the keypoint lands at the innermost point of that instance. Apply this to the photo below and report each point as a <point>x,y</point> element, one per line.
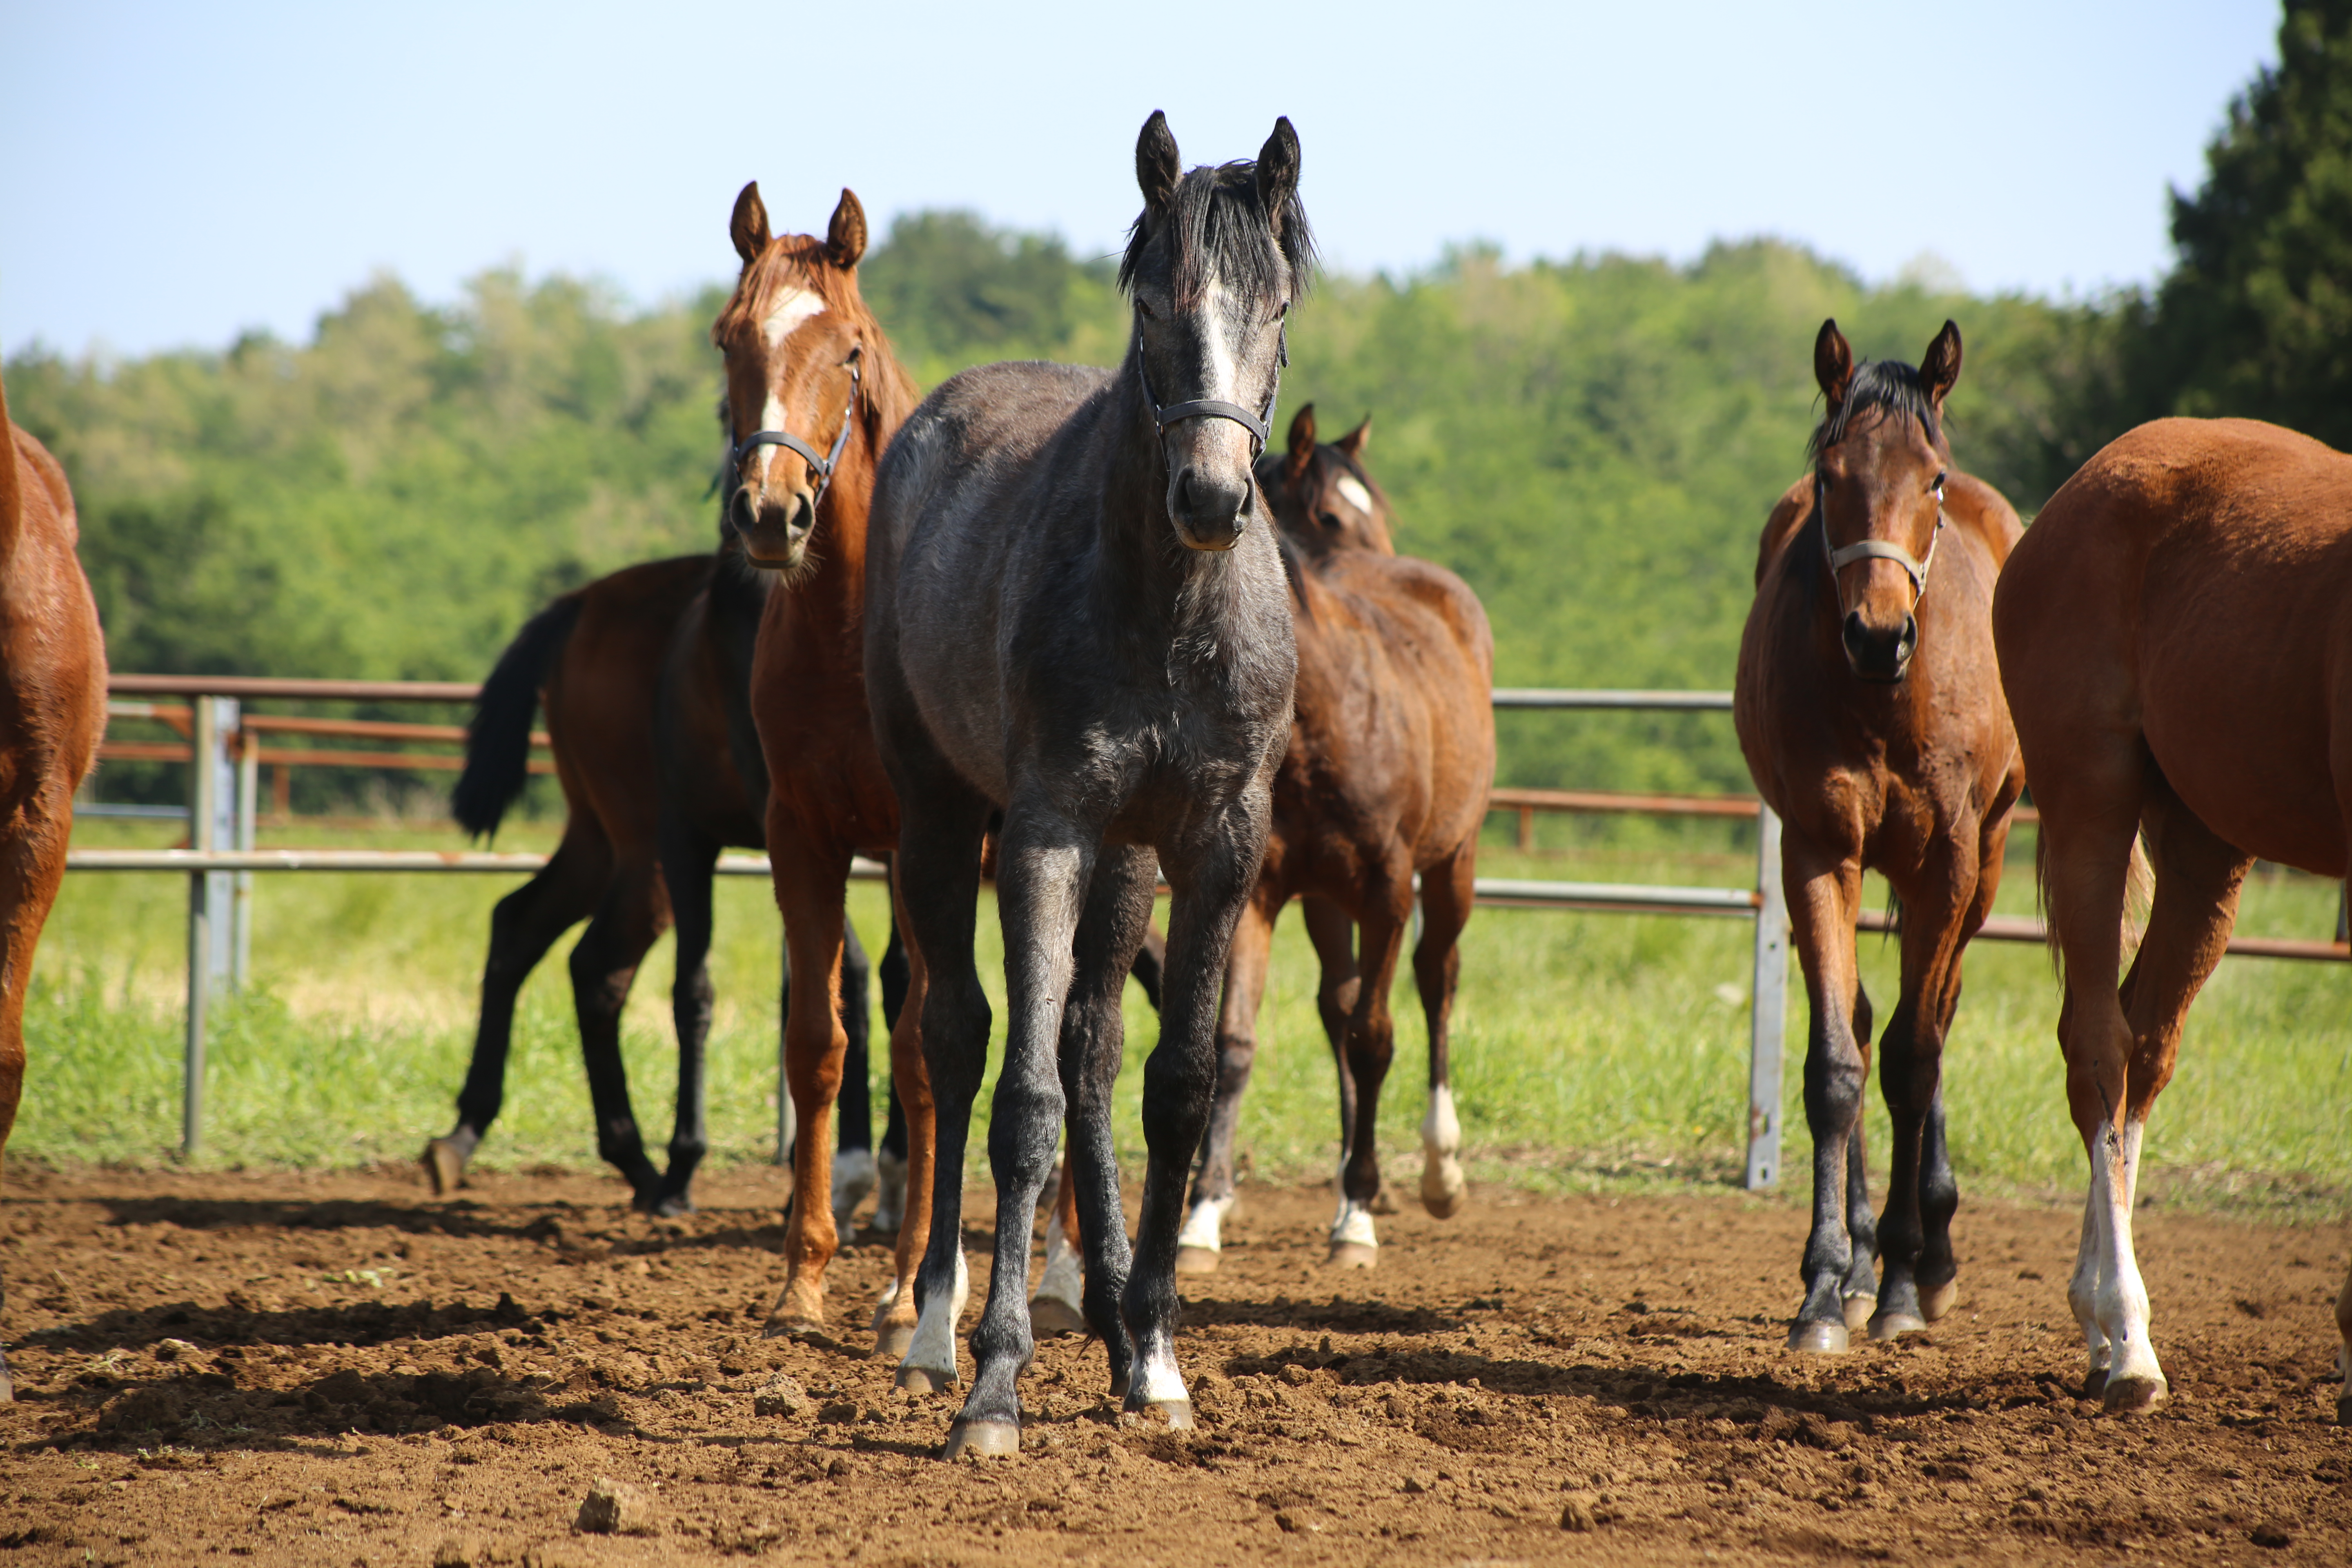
<point>1259,424</point>
<point>823,465</point>
<point>1840,557</point>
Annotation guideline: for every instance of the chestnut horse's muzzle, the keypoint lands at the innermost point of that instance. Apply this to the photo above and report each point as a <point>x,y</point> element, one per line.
<point>1879,653</point>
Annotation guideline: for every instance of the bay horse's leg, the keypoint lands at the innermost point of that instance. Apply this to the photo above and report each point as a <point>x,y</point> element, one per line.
<point>1860,1292</point>
<point>523,926</point>
<point>31,868</point>
<point>1372,1047</point>
<point>853,1152</point>
<point>947,1018</point>
<point>1094,1032</point>
<point>1058,1304</point>
<point>1447,891</point>
<point>1939,910</point>
<point>890,1160</point>
<point>1045,867</point>
<point>1202,1240</point>
<point>1212,868</point>
<point>1823,890</point>
<point>810,876</point>
<point>688,862</point>
<point>627,921</point>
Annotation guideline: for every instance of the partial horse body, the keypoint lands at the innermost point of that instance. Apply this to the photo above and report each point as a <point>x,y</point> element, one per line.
<point>2176,636</point>
<point>1390,758</point>
<point>52,713</point>
<point>815,395</point>
<point>642,675</point>
<point>1072,619</point>
<point>1870,710</point>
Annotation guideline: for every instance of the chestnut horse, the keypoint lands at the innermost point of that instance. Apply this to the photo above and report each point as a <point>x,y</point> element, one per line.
<point>1871,714</point>
<point>2176,636</point>
<point>815,395</point>
<point>52,712</point>
<point>1390,758</point>
<point>644,677</point>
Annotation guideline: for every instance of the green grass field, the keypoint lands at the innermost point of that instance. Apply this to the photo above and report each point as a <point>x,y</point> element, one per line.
<point>1589,1048</point>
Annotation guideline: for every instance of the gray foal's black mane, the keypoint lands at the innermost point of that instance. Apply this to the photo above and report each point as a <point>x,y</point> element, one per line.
<point>1216,217</point>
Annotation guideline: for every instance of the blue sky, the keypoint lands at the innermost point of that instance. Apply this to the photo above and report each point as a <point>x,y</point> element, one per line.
<point>175,174</point>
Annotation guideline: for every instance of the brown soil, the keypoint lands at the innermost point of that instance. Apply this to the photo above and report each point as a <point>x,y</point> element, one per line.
<point>334,1370</point>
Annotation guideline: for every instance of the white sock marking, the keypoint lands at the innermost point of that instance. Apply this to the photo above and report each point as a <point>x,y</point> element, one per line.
<point>1204,1225</point>
<point>933,1347</point>
<point>1156,1376</point>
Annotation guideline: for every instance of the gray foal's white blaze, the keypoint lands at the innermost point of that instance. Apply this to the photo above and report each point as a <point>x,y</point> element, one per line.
<point>793,307</point>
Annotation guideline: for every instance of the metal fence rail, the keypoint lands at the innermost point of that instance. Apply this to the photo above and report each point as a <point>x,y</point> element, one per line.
<point>221,860</point>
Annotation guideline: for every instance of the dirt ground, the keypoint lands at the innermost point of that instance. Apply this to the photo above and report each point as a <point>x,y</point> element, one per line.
<point>334,1369</point>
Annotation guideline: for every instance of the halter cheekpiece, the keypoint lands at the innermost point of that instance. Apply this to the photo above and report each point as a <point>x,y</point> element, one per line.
<point>1259,424</point>
<point>824,464</point>
<point>1840,557</point>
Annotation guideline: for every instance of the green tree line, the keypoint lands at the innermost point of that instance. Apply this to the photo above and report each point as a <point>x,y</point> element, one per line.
<point>1592,443</point>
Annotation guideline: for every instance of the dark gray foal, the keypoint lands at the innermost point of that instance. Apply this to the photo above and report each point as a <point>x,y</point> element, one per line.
<point>1077,614</point>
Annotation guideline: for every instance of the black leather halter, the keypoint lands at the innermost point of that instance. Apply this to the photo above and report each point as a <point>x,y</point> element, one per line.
<point>1259,424</point>
<point>823,465</point>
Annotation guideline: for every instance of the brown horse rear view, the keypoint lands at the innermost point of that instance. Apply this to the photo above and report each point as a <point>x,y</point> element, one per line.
<point>1871,714</point>
<point>52,712</point>
<point>2176,634</point>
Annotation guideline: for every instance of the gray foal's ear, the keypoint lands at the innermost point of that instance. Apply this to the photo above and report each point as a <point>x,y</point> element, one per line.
<point>1277,171</point>
<point>1157,165</point>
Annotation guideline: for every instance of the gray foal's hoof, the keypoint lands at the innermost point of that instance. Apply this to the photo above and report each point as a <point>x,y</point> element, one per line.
<point>1937,1299</point>
<point>1195,1260</point>
<point>986,1440</point>
<point>1819,1339</point>
<point>2133,1395</point>
<point>445,1168</point>
<point>1886,1326</point>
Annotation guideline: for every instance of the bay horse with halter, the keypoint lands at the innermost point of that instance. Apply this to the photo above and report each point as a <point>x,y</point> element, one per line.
<point>815,395</point>
<point>1870,711</point>
<point>1390,758</point>
<point>644,676</point>
<point>2176,637</point>
<point>1071,620</point>
<point>52,713</point>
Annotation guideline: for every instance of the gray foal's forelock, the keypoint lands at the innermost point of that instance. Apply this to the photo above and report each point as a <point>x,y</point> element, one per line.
<point>1217,226</point>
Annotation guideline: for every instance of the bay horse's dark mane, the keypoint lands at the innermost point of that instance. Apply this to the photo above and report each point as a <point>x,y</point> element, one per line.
<point>1216,215</point>
<point>1887,386</point>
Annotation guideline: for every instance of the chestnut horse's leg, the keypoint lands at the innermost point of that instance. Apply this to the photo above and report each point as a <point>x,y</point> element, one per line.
<point>1202,1240</point>
<point>809,876</point>
<point>1823,891</point>
<point>1447,891</point>
<point>688,864</point>
<point>1370,1049</point>
<point>852,1150</point>
<point>1941,909</point>
<point>629,921</point>
<point>523,926</point>
<point>31,868</point>
<point>915,1126</point>
<point>1112,929</point>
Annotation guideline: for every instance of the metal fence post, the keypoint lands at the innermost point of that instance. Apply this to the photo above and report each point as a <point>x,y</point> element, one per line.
<point>203,785</point>
<point>249,780</point>
<point>1770,992</point>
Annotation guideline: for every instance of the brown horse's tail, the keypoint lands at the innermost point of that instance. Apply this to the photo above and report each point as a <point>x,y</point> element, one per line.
<point>2139,889</point>
<point>498,741</point>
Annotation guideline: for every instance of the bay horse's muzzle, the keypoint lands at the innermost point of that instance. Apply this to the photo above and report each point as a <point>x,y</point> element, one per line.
<point>774,534</point>
<point>1879,653</point>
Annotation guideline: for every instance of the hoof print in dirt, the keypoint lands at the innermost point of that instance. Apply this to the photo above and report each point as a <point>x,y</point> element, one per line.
<point>614,1507</point>
<point>780,1395</point>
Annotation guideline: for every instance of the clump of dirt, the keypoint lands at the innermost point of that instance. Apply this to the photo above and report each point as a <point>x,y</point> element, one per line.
<point>336,1369</point>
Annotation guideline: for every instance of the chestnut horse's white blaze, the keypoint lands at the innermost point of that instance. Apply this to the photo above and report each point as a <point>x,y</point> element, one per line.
<point>793,307</point>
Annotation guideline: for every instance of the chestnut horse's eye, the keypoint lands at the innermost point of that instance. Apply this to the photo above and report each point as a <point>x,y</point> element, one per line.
<point>1939,484</point>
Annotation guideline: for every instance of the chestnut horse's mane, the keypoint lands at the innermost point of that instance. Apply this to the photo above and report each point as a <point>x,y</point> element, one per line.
<point>1883,384</point>
<point>798,261</point>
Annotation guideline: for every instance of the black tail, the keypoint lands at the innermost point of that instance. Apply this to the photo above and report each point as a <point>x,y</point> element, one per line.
<point>498,742</point>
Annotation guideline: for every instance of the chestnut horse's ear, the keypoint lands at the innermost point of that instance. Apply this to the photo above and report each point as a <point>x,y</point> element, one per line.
<point>1352,443</point>
<point>749,227</point>
<point>1302,441</point>
<point>1277,171</point>
<point>1157,165</point>
<point>1940,369</point>
<point>844,238</point>
<point>1833,362</point>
